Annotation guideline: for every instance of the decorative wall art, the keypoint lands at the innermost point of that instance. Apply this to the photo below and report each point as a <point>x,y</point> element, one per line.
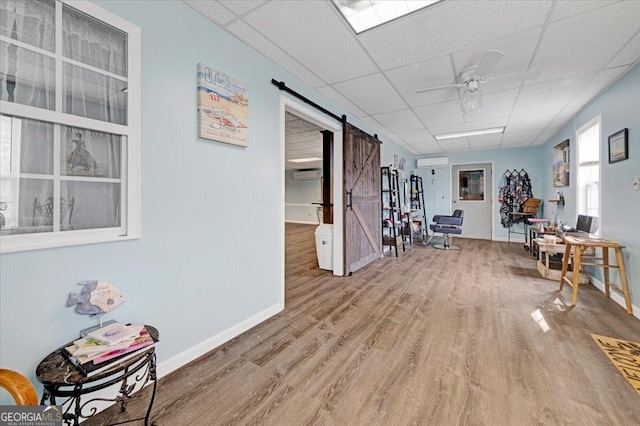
<point>561,164</point>
<point>223,107</point>
<point>618,146</point>
<point>399,162</point>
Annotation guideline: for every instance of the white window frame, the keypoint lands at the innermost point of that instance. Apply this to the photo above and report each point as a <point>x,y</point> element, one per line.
<point>130,224</point>
<point>596,120</point>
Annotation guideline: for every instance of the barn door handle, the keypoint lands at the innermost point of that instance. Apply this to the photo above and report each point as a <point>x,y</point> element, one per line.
<point>349,199</point>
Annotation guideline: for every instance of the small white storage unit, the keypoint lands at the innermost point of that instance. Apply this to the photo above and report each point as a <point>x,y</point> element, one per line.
<point>324,246</point>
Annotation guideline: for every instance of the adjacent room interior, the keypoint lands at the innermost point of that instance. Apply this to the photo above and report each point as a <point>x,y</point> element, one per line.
<point>321,212</point>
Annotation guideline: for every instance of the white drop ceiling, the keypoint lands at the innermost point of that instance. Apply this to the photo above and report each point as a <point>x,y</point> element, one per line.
<point>581,47</point>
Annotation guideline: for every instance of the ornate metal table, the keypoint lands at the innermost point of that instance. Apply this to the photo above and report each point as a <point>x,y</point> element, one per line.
<point>61,379</point>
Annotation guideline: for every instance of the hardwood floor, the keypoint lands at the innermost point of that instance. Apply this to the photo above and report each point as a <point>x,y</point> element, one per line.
<point>469,337</point>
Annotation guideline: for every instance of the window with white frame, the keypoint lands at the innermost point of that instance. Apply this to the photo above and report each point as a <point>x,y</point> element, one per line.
<point>588,182</point>
<point>69,125</point>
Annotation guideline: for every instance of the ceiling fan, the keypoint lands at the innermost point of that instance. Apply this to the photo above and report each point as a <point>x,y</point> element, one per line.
<point>471,78</point>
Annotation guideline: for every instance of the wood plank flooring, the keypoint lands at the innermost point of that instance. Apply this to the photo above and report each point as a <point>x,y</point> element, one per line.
<point>469,337</point>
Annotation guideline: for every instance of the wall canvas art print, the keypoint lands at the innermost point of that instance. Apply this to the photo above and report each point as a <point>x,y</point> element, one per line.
<point>399,162</point>
<point>223,107</point>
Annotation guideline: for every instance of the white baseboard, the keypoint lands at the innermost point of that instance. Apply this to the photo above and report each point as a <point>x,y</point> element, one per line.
<point>189,355</point>
<point>506,239</point>
<point>302,222</point>
<point>616,296</point>
<point>213,342</point>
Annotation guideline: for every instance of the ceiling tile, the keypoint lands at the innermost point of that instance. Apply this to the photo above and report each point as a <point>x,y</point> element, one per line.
<point>312,144</point>
<point>428,148</point>
<point>241,7</point>
<point>547,134</point>
<point>628,55</point>
<point>392,137</point>
<point>376,126</point>
<point>551,95</point>
<point>455,145</point>
<point>303,137</point>
<point>290,117</point>
<point>328,47</point>
<point>445,27</point>
<point>416,137</point>
<point>211,10</point>
<point>520,138</point>
<point>600,82</point>
<point>337,97</point>
<point>256,40</point>
<point>526,122</point>
<point>567,8</point>
<point>587,42</point>
<point>399,121</point>
<point>373,94</point>
<point>300,126</point>
<point>565,115</point>
<point>440,114</point>
<point>485,142</point>
<point>421,75</point>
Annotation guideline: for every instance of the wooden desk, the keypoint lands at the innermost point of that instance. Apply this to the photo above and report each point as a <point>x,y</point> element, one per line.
<point>581,244</point>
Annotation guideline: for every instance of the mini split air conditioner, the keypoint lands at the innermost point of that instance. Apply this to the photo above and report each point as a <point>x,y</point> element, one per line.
<point>306,174</point>
<point>433,162</point>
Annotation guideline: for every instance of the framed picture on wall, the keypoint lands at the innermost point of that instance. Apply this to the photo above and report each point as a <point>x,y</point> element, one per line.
<point>561,164</point>
<point>618,146</point>
<point>223,107</point>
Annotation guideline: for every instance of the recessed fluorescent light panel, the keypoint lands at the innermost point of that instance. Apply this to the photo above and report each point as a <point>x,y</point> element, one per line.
<point>305,160</point>
<point>480,132</point>
<point>363,15</point>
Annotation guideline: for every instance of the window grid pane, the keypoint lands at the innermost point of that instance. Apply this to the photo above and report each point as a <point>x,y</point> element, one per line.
<point>29,21</point>
<point>56,177</point>
<point>588,182</point>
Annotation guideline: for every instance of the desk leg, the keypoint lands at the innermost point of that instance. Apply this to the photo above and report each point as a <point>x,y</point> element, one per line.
<point>605,261</point>
<point>565,264</point>
<point>623,279</point>
<point>576,273</point>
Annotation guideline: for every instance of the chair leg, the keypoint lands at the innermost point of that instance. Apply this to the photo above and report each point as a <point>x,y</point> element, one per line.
<point>446,245</point>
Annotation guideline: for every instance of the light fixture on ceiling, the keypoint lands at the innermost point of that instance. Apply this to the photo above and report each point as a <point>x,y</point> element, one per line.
<point>363,15</point>
<point>471,101</point>
<point>479,132</point>
<point>469,81</point>
<point>305,160</point>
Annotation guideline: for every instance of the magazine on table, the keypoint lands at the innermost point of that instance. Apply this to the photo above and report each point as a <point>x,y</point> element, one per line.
<point>92,364</point>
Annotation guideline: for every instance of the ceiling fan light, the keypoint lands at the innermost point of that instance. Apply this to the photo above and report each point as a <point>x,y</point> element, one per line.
<point>471,102</point>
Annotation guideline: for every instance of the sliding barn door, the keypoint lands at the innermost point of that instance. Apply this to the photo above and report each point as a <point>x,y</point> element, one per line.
<point>362,214</point>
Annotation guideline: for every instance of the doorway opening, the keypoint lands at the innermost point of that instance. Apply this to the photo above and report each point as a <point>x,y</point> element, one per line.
<point>303,134</point>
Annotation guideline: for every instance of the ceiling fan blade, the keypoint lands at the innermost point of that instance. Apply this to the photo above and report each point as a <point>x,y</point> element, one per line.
<point>486,64</point>
<point>438,88</point>
<point>518,76</point>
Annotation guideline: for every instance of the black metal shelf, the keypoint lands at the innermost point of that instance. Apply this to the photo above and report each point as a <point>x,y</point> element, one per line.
<point>392,223</point>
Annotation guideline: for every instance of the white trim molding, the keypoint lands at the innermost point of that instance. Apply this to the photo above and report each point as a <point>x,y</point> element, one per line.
<point>183,358</point>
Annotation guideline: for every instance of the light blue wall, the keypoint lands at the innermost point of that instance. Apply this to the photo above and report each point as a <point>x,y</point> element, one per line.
<point>437,187</point>
<point>210,211</point>
<point>301,192</point>
<point>620,108</point>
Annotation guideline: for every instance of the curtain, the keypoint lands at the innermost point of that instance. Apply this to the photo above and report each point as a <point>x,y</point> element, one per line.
<point>28,77</point>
